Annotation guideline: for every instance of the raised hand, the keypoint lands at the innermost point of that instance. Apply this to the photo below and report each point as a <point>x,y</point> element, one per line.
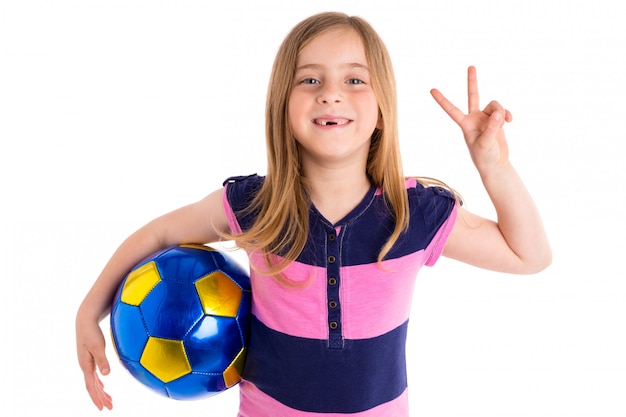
<point>516,242</point>
<point>482,129</point>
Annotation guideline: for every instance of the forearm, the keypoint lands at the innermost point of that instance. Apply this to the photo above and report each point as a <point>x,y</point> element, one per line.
<point>200,222</point>
<point>97,302</point>
<point>517,217</point>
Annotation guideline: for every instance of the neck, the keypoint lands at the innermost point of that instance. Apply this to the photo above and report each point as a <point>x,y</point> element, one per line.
<point>336,191</point>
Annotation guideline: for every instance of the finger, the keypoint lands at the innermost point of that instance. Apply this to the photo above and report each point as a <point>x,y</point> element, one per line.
<point>89,362</point>
<point>452,111</point>
<point>473,99</point>
<point>106,399</point>
<point>95,388</point>
<point>92,386</point>
<point>103,364</point>
<point>496,120</point>
<point>494,106</point>
<point>97,356</point>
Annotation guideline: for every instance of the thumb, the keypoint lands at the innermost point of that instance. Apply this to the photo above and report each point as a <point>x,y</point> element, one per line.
<point>496,120</point>
<point>102,363</point>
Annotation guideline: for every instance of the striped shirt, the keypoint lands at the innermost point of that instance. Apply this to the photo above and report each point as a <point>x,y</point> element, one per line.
<point>333,343</point>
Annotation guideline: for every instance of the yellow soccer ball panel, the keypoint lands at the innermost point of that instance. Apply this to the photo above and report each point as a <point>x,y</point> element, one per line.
<point>219,295</point>
<point>139,283</point>
<point>166,359</point>
<point>232,374</point>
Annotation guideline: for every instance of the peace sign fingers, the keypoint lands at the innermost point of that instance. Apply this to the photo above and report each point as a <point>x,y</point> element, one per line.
<point>482,129</point>
<point>452,111</point>
<point>473,99</point>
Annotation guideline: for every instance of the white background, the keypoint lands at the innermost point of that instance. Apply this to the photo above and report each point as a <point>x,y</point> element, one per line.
<point>114,112</point>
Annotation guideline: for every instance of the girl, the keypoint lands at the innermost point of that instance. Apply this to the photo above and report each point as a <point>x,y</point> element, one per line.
<point>335,233</point>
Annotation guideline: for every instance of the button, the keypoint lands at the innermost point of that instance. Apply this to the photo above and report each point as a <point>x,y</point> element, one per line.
<point>331,259</point>
<point>333,325</point>
<point>332,281</point>
<point>331,237</point>
<point>332,304</point>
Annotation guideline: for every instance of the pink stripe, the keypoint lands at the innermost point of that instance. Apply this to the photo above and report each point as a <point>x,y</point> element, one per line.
<point>255,403</point>
<point>297,308</point>
<point>437,244</point>
<point>371,303</point>
<point>374,302</point>
<point>300,308</point>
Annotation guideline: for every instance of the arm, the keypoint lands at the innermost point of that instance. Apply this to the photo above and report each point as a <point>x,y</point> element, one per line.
<point>200,222</point>
<point>517,242</point>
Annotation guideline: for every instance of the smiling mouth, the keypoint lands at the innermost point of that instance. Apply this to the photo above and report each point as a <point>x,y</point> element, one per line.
<point>331,122</point>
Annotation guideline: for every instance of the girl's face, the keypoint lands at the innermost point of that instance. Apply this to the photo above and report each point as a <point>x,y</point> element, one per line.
<point>332,108</point>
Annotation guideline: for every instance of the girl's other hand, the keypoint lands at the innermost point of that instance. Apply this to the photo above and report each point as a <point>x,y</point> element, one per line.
<point>91,358</point>
<point>482,129</point>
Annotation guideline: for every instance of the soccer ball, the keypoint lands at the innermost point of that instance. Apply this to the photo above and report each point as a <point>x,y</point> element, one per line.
<point>180,321</point>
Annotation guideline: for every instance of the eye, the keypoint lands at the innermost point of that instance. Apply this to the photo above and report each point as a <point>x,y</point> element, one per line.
<point>310,81</point>
<point>355,81</point>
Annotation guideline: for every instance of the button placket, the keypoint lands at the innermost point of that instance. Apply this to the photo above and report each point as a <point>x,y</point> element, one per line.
<point>333,280</point>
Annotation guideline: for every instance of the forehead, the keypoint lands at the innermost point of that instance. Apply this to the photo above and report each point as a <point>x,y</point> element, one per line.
<point>340,46</point>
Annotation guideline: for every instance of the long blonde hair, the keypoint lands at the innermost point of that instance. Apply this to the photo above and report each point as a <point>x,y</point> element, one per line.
<point>281,226</point>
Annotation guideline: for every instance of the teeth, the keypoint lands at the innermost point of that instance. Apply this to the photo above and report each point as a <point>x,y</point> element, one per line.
<point>330,122</point>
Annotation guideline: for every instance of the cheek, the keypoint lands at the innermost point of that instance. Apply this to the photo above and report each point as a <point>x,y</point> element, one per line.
<point>369,106</point>
<point>294,126</point>
<point>375,117</point>
<point>379,121</point>
<point>294,110</point>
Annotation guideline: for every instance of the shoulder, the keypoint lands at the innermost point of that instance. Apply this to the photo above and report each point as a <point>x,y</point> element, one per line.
<point>245,184</point>
<point>425,192</point>
<point>240,191</point>
<point>244,180</point>
<point>430,201</point>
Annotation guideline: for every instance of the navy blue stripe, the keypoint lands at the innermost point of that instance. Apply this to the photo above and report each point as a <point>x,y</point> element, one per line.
<point>369,230</point>
<point>306,375</point>
<point>368,226</point>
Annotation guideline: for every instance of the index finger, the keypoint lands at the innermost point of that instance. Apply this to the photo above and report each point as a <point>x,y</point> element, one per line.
<point>453,111</point>
<point>473,99</point>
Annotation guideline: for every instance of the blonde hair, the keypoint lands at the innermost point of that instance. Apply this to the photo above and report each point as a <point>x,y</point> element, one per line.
<point>282,205</point>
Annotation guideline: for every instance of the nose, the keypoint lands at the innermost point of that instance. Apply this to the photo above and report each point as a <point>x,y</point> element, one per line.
<point>330,93</point>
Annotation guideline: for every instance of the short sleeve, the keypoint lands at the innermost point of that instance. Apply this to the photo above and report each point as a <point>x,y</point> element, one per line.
<point>437,208</point>
<point>239,193</point>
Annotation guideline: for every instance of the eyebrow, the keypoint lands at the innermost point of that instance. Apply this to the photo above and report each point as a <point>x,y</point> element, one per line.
<point>349,65</point>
